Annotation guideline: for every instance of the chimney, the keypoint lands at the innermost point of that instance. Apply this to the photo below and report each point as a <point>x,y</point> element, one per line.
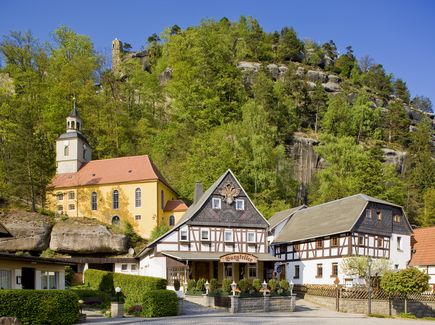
<point>198,192</point>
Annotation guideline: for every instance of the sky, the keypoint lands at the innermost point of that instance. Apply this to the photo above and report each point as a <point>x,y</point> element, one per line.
<point>398,34</point>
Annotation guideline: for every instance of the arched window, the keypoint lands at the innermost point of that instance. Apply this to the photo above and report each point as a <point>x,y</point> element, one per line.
<point>94,204</point>
<point>66,151</point>
<point>115,199</point>
<point>78,125</point>
<point>171,220</point>
<point>138,198</point>
<point>116,221</point>
<point>72,125</point>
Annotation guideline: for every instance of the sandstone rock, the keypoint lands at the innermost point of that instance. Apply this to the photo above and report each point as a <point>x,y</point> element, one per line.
<point>85,236</point>
<point>331,86</point>
<point>334,78</point>
<point>165,76</point>
<point>248,66</point>
<point>311,84</point>
<point>315,76</point>
<point>276,71</point>
<point>300,72</point>
<point>397,158</point>
<point>10,321</point>
<point>31,231</point>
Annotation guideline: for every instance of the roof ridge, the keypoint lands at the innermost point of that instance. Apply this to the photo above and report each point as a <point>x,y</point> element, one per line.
<point>114,158</point>
<point>325,203</point>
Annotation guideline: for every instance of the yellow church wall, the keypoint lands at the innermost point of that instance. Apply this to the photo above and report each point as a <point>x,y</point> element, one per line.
<point>150,211</point>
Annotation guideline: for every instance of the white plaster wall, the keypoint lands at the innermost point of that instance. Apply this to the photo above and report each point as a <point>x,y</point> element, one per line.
<point>118,268</point>
<point>61,280</point>
<point>153,266</point>
<point>37,280</point>
<point>308,271</point>
<point>403,255</point>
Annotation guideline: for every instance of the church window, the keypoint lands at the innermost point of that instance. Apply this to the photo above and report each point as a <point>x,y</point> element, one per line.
<point>116,221</point>
<point>71,195</point>
<point>240,204</point>
<point>66,151</point>
<point>138,198</point>
<point>59,196</point>
<point>78,125</point>
<point>72,125</point>
<point>171,220</point>
<point>162,195</point>
<point>94,204</point>
<point>115,199</point>
<point>71,207</point>
<point>137,217</point>
<point>216,203</point>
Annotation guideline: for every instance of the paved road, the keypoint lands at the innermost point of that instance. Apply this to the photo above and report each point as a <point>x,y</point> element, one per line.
<point>305,313</point>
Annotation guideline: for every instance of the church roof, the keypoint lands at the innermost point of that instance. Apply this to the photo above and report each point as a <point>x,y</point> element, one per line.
<point>111,171</point>
<point>74,112</point>
<point>175,205</point>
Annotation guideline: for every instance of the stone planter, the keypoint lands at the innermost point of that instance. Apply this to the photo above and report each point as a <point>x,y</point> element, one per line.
<point>262,304</point>
<point>117,309</point>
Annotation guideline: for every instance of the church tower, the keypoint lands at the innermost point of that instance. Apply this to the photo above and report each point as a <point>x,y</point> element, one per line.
<point>72,148</point>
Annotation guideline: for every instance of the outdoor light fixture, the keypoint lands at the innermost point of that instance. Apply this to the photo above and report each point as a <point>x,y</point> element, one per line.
<point>233,288</point>
<point>207,287</point>
<point>264,285</point>
<point>369,289</point>
<point>117,290</point>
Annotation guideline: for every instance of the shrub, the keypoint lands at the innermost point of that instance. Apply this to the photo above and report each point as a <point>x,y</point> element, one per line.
<point>256,284</point>
<point>92,297</point>
<point>135,310</point>
<point>200,285</point>
<point>226,285</point>
<point>244,285</point>
<point>59,307</point>
<point>284,285</point>
<point>159,303</point>
<point>191,285</point>
<point>273,284</point>
<point>177,284</point>
<point>213,285</point>
<point>99,280</point>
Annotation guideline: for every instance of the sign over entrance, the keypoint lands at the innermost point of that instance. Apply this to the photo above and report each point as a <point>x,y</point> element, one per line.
<point>238,258</point>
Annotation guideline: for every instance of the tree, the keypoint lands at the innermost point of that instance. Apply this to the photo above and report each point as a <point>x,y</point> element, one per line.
<point>290,48</point>
<point>378,80</point>
<point>405,282</point>
<point>396,123</point>
<point>158,231</point>
<point>366,63</point>
<point>422,103</point>
<point>358,266</point>
<point>401,90</point>
<point>427,212</point>
<point>345,63</point>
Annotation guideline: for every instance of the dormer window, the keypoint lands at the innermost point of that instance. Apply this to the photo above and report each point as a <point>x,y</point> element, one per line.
<point>216,203</point>
<point>240,204</point>
<point>379,214</point>
<point>228,235</point>
<point>205,234</point>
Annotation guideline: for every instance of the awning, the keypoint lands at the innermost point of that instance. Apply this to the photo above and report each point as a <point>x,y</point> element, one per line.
<point>213,256</point>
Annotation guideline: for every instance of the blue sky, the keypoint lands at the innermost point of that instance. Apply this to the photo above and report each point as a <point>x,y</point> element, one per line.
<point>398,34</point>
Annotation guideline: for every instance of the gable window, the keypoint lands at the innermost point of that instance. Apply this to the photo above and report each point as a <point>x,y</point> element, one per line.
<point>319,273</point>
<point>115,199</point>
<point>399,243</point>
<point>334,241</point>
<point>94,204</point>
<point>251,237</point>
<point>71,207</point>
<point>396,218</point>
<point>297,272</point>
<point>216,203</point>
<point>319,243</point>
<point>369,213</point>
<point>228,235</point>
<point>379,214</point>
<point>162,195</point>
<point>138,198</point>
<point>171,220</point>
<point>360,240</point>
<point>71,195</point>
<point>184,235</point>
<point>379,242</point>
<point>205,234</point>
<point>137,217</point>
<point>334,272</point>
<point>116,221</point>
<point>59,196</point>
<point>296,247</point>
<point>240,204</point>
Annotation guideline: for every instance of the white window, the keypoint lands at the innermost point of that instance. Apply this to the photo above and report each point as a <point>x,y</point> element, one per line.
<point>399,243</point>
<point>228,235</point>
<point>71,195</point>
<point>205,234</point>
<point>49,280</point>
<point>124,267</point>
<point>138,198</point>
<point>133,267</point>
<point>5,279</point>
<point>251,237</point>
<point>216,203</point>
<point>240,204</point>
<point>184,235</point>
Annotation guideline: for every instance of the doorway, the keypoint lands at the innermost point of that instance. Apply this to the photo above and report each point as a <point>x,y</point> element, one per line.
<point>202,270</point>
<point>28,278</point>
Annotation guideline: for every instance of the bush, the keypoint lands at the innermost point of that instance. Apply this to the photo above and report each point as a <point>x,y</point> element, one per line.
<point>244,285</point>
<point>191,285</point>
<point>273,284</point>
<point>135,310</point>
<point>99,280</point>
<point>92,297</point>
<point>256,284</point>
<point>177,284</point>
<point>226,285</point>
<point>284,285</point>
<point>213,285</point>
<point>39,307</point>
<point>159,303</point>
<point>200,285</point>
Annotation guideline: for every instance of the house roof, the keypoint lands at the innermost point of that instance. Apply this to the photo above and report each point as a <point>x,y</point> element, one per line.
<point>326,219</point>
<point>34,259</point>
<point>111,171</point>
<point>175,205</point>
<point>281,215</point>
<point>423,244</point>
<point>195,256</point>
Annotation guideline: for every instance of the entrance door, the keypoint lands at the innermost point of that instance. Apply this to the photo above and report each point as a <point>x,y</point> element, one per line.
<point>282,274</point>
<point>28,278</point>
<point>202,270</point>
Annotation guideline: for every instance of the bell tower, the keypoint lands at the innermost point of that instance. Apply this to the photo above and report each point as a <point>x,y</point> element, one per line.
<point>72,148</point>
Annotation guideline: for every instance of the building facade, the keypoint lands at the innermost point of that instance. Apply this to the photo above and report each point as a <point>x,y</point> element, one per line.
<point>222,235</point>
<point>315,240</point>
<point>114,191</point>
<point>423,252</point>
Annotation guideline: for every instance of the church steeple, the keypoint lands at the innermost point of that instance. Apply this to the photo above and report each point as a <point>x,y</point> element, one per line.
<point>73,121</point>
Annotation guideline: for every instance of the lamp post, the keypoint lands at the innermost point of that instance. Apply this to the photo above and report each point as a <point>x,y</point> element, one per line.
<point>369,290</point>
<point>264,285</point>
<point>117,290</point>
<point>233,288</point>
<point>207,287</point>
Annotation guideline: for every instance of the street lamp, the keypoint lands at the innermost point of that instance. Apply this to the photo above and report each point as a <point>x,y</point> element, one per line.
<point>264,285</point>
<point>233,287</point>
<point>117,290</point>
<point>207,287</point>
<point>369,275</point>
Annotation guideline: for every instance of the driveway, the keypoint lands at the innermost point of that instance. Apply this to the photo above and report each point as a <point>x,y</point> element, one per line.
<point>305,313</point>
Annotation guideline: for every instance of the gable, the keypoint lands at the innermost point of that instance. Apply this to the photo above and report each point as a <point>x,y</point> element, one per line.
<point>228,191</point>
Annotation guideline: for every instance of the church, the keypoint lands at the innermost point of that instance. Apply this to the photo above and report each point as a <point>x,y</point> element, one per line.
<point>115,191</point>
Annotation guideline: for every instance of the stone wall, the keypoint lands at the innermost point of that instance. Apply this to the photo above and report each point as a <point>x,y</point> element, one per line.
<point>360,306</point>
<point>265,304</point>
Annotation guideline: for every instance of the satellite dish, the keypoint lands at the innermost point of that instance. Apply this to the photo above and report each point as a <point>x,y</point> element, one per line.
<point>131,251</point>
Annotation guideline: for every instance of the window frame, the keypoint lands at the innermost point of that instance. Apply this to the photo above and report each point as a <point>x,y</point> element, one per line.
<point>5,278</point>
<point>71,195</point>
<point>243,204</point>
<point>319,270</point>
<point>171,220</point>
<point>297,272</point>
<point>228,231</point>
<point>115,200</point>
<point>334,270</point>
<point>399,242</point>
<point>251,233</point>
<point>137,197</point>
<point>379,214</point>
<point>319,243</point>
<point>361,240</point>
<point>118,222</point>
<point>202,231</point>
<point>252,267</point>
<point>181,234</point>
<point>71,207</point>
<point>216,200</point>
<point>138,217</point>
<point>334,241</point>
<point>94,201</point>
<point>59,196</point>
<point>49,276</point>
<point>124,267</point>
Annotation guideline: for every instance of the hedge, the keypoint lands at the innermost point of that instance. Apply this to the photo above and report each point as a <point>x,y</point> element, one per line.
<point>159,303</point>
<point>39,307</point>
<point>92,297</point>
<point>132,286</point>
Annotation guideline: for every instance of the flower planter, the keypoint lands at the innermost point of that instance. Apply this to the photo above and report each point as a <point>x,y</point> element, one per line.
<point>117,309</point>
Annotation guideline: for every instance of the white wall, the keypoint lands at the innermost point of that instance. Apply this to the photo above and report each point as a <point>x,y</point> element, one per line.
<point>400,255</point>
<point>118,268</point>
<point>153,266</point>
<point>308,271</point>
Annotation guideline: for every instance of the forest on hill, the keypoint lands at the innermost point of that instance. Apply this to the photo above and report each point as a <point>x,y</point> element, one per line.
<point>210,115</point>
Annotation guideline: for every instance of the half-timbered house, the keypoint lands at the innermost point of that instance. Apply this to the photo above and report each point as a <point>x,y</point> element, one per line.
<point>222,235</point>
<point>314,240</point>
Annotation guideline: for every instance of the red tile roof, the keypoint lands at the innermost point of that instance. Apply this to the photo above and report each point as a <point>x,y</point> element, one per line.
<point>111,171</point>
<point>175,205</point>
<point>423,242</point>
